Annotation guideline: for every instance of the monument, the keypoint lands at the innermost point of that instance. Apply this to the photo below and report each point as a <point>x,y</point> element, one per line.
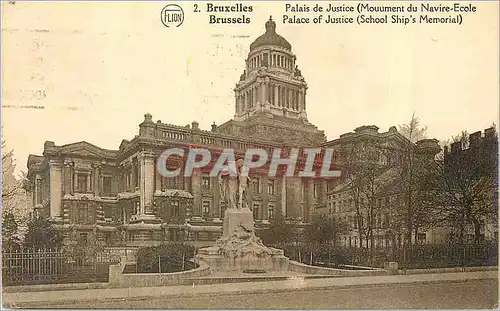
<point>239,249</point>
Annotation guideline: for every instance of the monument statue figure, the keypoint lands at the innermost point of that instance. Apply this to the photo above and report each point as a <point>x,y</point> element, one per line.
<point>239,248</point>
<point>233,185</point>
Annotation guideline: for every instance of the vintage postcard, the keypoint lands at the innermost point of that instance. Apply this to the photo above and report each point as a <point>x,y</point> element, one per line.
<point>250,155</point>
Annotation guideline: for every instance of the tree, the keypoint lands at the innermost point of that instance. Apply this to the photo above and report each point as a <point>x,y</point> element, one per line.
<point>412,130</point>
<point>365,180</point>
<point>14,202</point>
<point>278,232</point>
<point>414,168</point>
<point>324,231</point>
<point>10,186</point>
<point>10,237</point>
<point>41,234</point>
<point>466,184</point>
<point>170,257</point>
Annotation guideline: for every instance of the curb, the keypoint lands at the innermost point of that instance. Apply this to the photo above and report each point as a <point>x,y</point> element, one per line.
<point>188,294</point>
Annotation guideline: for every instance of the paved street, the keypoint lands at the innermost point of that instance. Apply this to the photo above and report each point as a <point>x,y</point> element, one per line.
<point>477,294</point>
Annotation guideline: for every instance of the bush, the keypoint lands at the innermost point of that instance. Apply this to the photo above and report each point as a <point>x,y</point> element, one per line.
<point>168,257</point>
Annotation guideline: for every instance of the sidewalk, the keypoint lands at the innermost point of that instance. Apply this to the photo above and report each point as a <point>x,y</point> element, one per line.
<point>33,299</point>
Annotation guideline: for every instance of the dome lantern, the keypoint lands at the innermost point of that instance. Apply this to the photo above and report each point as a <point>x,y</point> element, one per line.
<point>270,37</point>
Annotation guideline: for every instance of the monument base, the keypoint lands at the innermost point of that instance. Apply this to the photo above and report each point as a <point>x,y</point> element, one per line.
<point>240,249</point>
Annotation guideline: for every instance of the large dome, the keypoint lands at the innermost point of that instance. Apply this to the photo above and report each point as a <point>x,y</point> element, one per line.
<point>271,38</point>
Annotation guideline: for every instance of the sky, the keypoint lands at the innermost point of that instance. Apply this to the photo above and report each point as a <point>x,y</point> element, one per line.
<point>91,70</point>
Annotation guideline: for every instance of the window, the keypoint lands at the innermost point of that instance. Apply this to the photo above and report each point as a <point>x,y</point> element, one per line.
<point>205,182</point>
<point>315,190</point>
<point>270,187</point>
<point>135,174</point>
<point>334,207</point>
<point>83,237</point>
<point>255,185</point>
<point>106,185</point>
<point>129,182</point>
<point>176,182</point>
<point>81,182</point>
<point>256,207</point>
<point>174,205</point>
<point>206,207</point>
<point>386,220</point>
<point>81,214</point>
<point>270,211</point>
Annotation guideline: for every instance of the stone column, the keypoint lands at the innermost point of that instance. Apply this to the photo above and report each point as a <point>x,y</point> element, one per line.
<point>323,192</point>
<point>254,96</point>
<point>277,95</point>
<point>146,182</point>
<point>89,181</point>
<point>55,188</point>
<point>237,102</point>
<point>283,196</point>
<point>265,91</point>
<point>158,179</point>
<point>66,178</point>
<point>37,190</point>
<point>304,100</point>
<point>259,90</point>
<point>97,178</point>
<point>309,199</point>
<point>293,196</point>
<point>196,192</point>
<point>216,199</point>
<point>75,181</point>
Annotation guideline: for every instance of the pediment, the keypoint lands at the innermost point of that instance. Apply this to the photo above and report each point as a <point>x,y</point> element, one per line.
<point>84,149</point>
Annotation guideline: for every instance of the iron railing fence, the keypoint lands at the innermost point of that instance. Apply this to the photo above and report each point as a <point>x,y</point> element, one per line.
<point>442,256</point>
<point>46,266</point>
<point>408,257</point>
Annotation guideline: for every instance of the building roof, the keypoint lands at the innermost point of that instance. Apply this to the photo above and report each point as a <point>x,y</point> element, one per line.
<point>271,38</point>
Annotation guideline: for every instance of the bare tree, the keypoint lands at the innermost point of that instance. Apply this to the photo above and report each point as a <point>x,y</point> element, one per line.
<point>365,179</point>
<point>10,186</point>
<point>467,185</point>
<point>413,168</point>
<point>14,202</point>
<point>412,130</point>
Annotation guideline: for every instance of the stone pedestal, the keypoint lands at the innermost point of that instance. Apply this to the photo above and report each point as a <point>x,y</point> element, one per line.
<point>240,249</point>
<point>391,267</point>
<point>235,220</point>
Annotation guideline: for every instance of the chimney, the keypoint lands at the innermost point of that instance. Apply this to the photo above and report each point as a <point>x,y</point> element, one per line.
<point>48,144</point>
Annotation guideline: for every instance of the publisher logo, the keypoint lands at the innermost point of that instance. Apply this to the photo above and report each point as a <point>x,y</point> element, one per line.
<point>172,15</point>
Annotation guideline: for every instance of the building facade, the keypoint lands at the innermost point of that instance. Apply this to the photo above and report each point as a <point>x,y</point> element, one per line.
<point>117,197</point>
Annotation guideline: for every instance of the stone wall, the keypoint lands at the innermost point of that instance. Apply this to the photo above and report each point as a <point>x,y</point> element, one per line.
<point>307,269</point>
<point>118,279</point>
